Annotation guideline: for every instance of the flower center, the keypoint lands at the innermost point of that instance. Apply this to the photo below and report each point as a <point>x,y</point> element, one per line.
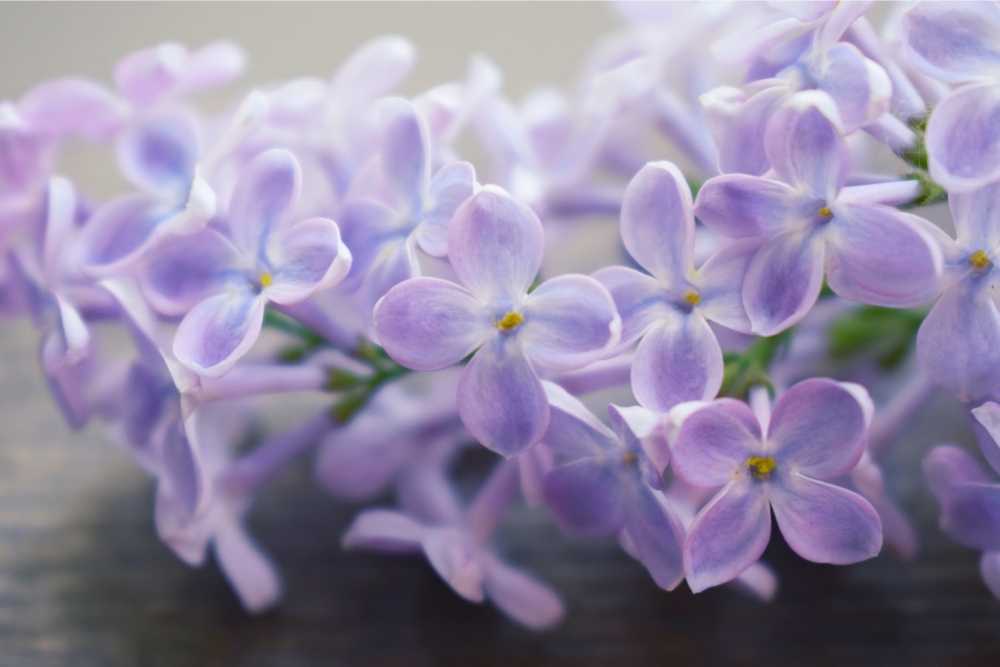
<point>510,321</point>
<point>692,298</point>
<point>825,213</point>
<point>980,261</point>
<point>265,279</point>
<point>761,466</point>
<point>630,458</point>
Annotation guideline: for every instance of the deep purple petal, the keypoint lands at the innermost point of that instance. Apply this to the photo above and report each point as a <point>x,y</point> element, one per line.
<point>714,443</point>
<point>495,244</point>
<point>804,145</point>
<point>586,496</point>
<point>963,138</point>
<point>677,360</point>
<point>217,332</point>
<point>500,399</point>
<point>657,223</point>
<point>569,321</point>
<point>429,323</point>
<point>783,282</point>
<point>729,534</point>
<point>305,257</point>
<point>825,523</point>
<point>882,256</point>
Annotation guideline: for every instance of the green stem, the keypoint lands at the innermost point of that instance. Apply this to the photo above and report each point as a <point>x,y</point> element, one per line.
<point>749,368</point>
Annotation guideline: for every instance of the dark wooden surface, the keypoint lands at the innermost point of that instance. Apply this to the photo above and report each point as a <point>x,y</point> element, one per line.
<point>84,581</point>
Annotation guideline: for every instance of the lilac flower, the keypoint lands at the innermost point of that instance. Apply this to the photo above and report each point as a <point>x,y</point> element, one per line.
<point>970,506</point>
<point>405,207</point>
<point>222,284</point>
<point>958,43</point>
<point>959,341</point>
<point>609,482</point>
<point>817,433</point>
<point>808,224</point>
<point>678,358</point>
<point>169,70</point>
<point>495,248</point>
<point>455,543</point>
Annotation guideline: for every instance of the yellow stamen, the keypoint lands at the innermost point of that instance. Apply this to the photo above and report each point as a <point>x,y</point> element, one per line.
<point>980,260</point>
<point>761,466</point>
<point>511,320</point>
<point>265,279</point>
<point>692,298</point>
<point>825,212</point>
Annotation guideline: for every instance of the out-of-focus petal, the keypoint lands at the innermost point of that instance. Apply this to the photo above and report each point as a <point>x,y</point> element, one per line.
<point>450,187</point>
<point>74,107</point>
<point>158,154</point>
<point>373,69</point>
<point>217,332</point>
<point>429,323</point>
<point>384,530</point>
<point>989,568</point>
<point>988,416</point>
<point>586,496</point>
<point>825,523</point>
<point>657,537</point>
<point>249,570</point>
<point>860,86</point>
<point>657,223</point>
<point>963,138</point>
<point>783,282</point>
<point>120,232</point>
<point>522,597</point>
<point>404,150</point>
<point>457,561</point>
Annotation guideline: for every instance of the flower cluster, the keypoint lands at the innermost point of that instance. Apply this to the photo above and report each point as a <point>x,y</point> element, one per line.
<point>327,236</point>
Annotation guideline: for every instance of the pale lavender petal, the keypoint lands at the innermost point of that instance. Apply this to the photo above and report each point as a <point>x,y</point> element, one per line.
<point>657,223</point>
<point>450,187</point>
<point>738,119</point>
<point>989,568</point>
<point>586,496</point>
<point>569,321</point>
<point>188,538</point>
<point>804,144</point>
<point>948,466</point>
<point>958,343</point>
<point>149,75</point>
<point>963,140</point>
<point>953,41</point>
<point>495,244</point>
<point>456,561</point>
<point>183,270</point>
<point>159,153</point>
<point>640,300</point>
<point>741,206</point>
<point>729,535</point>
<point>265,190</point>
<point>384,530</point>
<point>73,107</point>
<point>306,256</point>
<point>373,69</point>
<point>819,427</point>
<point>404,150</point>
<point>26,155</point>
<point>366,227</point>
<point>522,597</point>
<point>574,433</point>
<point>988,416</point>
<point>976,216</point>
<point>825,523</point>
<point>217,332</point>
<point>249,570</point>
<point>720,284</point>
<point>181,470</point>
<point>677,360</point>
<point>67,377</point>
<point>121,231</point>
<point>657,537</point>
<point>860,86</point>
<point>213,65</point>
<point>714,443</point>
<point>840,17</point>
<point>783,282</point>
<point>397,262</point>
<point>429,323</point>
<point>500,399</point>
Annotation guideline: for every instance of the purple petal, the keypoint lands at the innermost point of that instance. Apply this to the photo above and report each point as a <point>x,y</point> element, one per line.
<point>73,107</point>
<point>738,120</point>
<point>819,427</point>
<point>729,535</point>
<point>450,187</point>
<point>265,190</point>
<point>741,206</point>
<point>639,299</point>
<point>677,360</point>
<point>988,435</point>
<point>963,140</point>
<point>149,75</point>
<point>569,321</point>
<point>657,537</point>
<point>586,496</point>
<point>384,530</point>
<point>500,399</point>
<point>249,570</point>
<point>213,65</point>
<point>456,561</point>
<point>120,232</point>
<point>948,466</point>
<point>859,86</point>
<point>971,515</point>
<point>574,433</point>
<point>657,223</point>
<point>522,597</point>
<point>429,323</point>
<point>804,145</point>
<point>825,523</point>
<point>714,443</point>
<point>366,227</point>
<point>396,263</point>
<point>217,332</point>
<point>989,568</point>
<point>183,270</point>
<point>976,216</point>
<point>373,69</point>
<point>720,284</point>
<point>307,256</point>
<point>495,244</point>
<point>159,154</point>
<point>27,155</point>
<point>783,282</point>
<point>405,150</point>
<point>958,343</point>
<point>953,42</point>
<point>181,471</point>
